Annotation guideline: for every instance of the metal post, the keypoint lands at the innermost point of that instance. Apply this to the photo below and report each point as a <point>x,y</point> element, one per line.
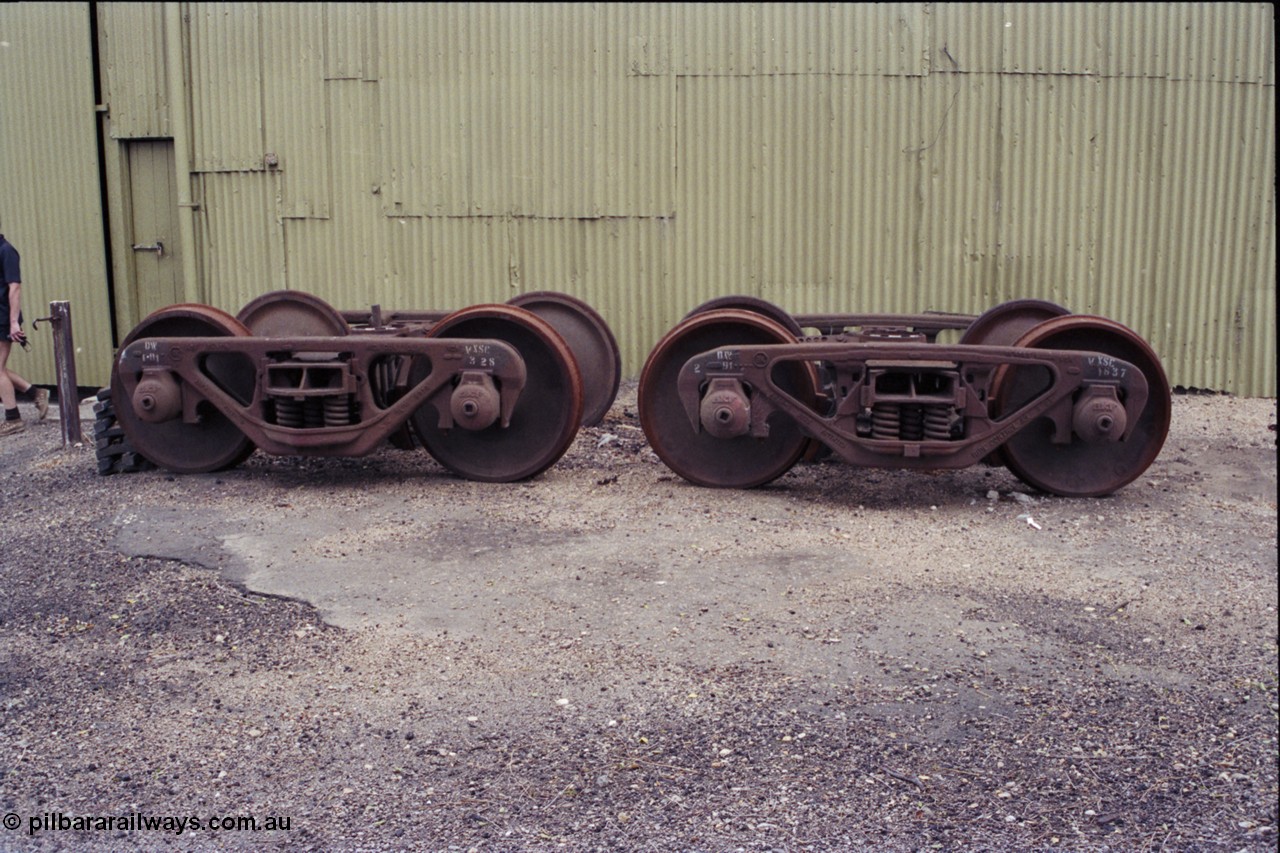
<point>180,130</point>
<point>64,356</point>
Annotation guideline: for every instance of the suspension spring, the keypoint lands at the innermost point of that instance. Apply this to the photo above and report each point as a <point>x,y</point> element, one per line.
<point>339,410</point>
<point>886,421</point>
<point>912,422</point>
<point>315,412</point>
<point>288,412</point>
<point>382,380</point>
<point>312,412</point>
<point>937,422</point>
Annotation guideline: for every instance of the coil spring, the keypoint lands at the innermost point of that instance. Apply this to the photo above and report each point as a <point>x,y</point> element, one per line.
<point>937,423</point>
<point>912,422</point>
<point>382,380</point>
<point>339,410</point>
<point>288,412</point>
<point>886,421</point>
<point>312,412</point>
<point>315,412</point>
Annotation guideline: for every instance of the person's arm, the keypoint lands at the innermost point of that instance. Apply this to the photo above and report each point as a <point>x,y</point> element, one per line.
<point>15,309</point>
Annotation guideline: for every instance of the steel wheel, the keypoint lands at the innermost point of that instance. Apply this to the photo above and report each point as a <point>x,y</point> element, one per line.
<point>754,304</point>
<point>1002,325</point>
<point>546,416</point>
<point>1084,469</point>
<point>695,455</point>
<point>591,341</point>
<point>215,442</point>
<point>292,313</point>
<point>815,449</point>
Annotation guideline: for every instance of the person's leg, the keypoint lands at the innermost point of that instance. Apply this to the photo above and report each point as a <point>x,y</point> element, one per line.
<point>11,385</point>
<point>8,389</point>
<point>11,423</point>
<point>20,385</point>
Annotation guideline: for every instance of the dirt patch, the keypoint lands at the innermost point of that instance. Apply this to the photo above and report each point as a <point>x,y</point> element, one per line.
<point>609,658</point>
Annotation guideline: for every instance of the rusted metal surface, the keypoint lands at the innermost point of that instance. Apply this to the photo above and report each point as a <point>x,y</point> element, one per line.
<point>1115,438</point>
<point>754,304</point>
<point>535,435</point>
<point>592,343</point>
<point>696,454</point>
<point>64,356</point>
<point>493,392</point>
<point>1080,404</point>
<point>284,313</point>
<point>1008,321</point>
<point>929,323</point>
<point>204,438</point>
<point>586,333</point>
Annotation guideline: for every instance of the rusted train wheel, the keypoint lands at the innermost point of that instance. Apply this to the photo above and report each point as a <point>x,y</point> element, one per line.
<point>1002,325</point>
<point>751,303</point>
<point>814,449</point>
<point>546,417</point>
<point>292,313</point>
<point>214,442</point>
<point>591,341</point>
<point>694,454</point>
<point>1084,468</point>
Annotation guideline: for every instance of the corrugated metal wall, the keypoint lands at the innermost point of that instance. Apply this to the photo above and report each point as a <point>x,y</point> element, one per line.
<point>50,205</point>
<point>1116,158</point>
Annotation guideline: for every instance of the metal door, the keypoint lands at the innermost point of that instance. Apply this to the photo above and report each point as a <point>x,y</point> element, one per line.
<point>153,227</point>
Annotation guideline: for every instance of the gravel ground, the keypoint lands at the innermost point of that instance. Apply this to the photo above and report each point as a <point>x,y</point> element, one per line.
<point>607,658</point>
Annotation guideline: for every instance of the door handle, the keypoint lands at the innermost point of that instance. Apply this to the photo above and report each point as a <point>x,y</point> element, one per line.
<point>156,247</point>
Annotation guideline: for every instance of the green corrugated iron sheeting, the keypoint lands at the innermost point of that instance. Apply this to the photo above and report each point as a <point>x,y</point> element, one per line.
<point>49,195</point>
<point>1116,158</point>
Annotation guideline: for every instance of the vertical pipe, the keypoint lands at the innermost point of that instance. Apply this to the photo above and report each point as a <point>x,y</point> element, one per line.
<point>179,126</point>
<point>64,356</point>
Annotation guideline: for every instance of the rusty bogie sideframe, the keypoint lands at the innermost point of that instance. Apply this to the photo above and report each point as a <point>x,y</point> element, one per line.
<point>914,405</point>
<point>492,392</point>
<point>1074,405</point>
<point>322,396</point>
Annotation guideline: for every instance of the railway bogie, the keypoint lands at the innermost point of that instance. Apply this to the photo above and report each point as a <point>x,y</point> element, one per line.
<point>1074,405</point>
<point>493,392</point>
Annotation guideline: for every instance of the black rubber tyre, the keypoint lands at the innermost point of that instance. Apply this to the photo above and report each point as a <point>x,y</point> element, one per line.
<point>114,453</point>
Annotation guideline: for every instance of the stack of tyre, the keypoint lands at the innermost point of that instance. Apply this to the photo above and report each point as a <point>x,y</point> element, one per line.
<point>115,454</point>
